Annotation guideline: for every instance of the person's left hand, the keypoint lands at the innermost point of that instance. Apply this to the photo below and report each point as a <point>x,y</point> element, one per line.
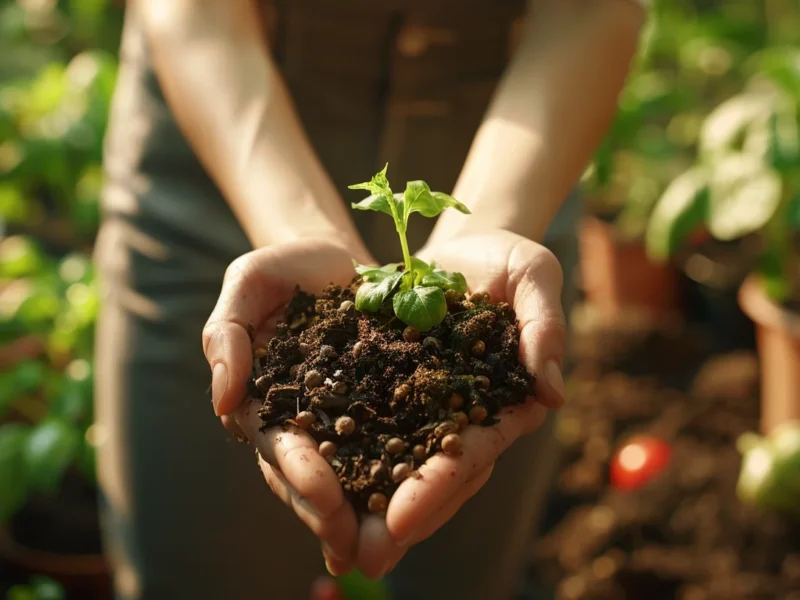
<point>527,276</point>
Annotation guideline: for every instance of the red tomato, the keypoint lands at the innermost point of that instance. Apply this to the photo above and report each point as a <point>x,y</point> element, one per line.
<point>638,461</point>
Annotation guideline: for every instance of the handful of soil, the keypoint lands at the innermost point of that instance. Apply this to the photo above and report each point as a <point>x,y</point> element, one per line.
<point>378,396</point>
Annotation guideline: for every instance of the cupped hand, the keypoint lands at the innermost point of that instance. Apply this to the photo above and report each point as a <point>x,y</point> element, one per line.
<point>527,276</point>
<point>255,290</point>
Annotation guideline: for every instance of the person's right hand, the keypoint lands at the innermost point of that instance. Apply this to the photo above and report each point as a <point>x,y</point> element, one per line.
<point>256,287</point>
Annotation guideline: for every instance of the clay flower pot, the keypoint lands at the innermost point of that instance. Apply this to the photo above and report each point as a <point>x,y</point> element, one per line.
<point>618,275</point>
<point>778,343</point>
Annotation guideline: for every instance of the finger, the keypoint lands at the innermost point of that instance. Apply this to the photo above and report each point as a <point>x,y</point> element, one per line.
<point>255,286</point>
<point>336,566</point>
<point>446,512</point>
<point>295,454</point>
<point>338,532</point>
<point>442,476</point>
<point>377,549</point>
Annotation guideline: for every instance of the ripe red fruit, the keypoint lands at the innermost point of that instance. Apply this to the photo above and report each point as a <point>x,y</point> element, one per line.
<point>639,460</point>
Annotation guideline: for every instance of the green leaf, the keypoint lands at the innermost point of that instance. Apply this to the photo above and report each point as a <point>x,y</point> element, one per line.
<point>744,194</point>
<point>379,184</point>
<point>50,449</point>
<point>47,588</point>
<point>681,208</point>
<point>724,126</point>
<point>376,202</point>
<point>13,475</point>
<point>371,295</point>
<point>419,198</point>
<point>446,280</point>
<point>421,307</point>
<point>375,274</point>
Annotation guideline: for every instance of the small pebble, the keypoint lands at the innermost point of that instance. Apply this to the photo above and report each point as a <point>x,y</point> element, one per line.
<point>293,370</point>
<point>479,298</point>
<point>419,453</point>
<point>345,425</point>
<point>402,391</point>
<point>482,382</point>
<point>456,401</point>
<point>357,347</point>
<point>477,414</point>
<point>327,352</point>
<point>400,472</point>
<point>347,306</point>
<point>305,419</point>
<point>493,359</point>
<point>304,349</point>
<point>444,428</point>
<point>460,418</point>
<point>432,344</point>
<point>263,383</point>
<point>313,379</point>
<point>340,387</point>
<point>377,503</point>
<point>453,297</point>
<point>478,349</point>
<point>411,334</point>
<point>260,352</point>
<point>327,449</point>
<point>451,444</point>
<point>377,469</point>
<point>395,446</point>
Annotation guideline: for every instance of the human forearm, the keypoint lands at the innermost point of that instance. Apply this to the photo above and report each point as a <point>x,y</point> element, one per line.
<point>548,115</point>
<point>230,101</point>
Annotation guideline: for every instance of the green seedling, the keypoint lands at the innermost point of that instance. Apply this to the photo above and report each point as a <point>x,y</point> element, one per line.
<point>415,287</point>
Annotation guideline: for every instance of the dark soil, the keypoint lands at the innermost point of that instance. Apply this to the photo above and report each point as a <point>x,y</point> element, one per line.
<point>333,361</point>
<point>684,535</point>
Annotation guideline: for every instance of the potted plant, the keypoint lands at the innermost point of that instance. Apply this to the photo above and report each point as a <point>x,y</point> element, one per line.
<point>388,371</point>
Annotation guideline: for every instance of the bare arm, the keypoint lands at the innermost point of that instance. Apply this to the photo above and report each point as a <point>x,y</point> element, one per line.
<point>549,114</point>
<point>213,63</point>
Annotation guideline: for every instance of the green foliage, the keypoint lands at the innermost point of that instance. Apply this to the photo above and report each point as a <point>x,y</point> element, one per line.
<point>418,287</point>
<point>39,588</point>
<point>13,471</point>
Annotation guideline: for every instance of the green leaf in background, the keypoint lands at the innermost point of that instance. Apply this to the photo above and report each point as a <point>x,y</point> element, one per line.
<point>39,588</point>
<point>743,195</point>
<point>29,376</point>
<point>370,295</point>
<point>13,474</point>
<point>725,126</point>
<point>51,447</point>
<point>421,307</point>
<point>20,256</point>
<point>356,586</point>
<point>73,400</point>
<point>679,211</point>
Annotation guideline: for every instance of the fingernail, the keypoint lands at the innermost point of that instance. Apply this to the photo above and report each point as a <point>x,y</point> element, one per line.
<point>219,383</point>
<point>328,551</point>
<point>556,380</point>
<point>329,568</point>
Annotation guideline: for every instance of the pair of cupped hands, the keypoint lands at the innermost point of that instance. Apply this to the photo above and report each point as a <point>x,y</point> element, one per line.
<point>256,288</point>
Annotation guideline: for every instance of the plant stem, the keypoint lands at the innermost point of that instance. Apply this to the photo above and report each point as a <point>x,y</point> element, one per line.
<point>401,231</point>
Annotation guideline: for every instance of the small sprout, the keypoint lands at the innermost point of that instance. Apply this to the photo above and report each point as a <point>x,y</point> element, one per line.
<point>263,383</point>
<point>260,352</point>
<point>305,419</point>
<point>402,391</point>
<point>432,344</point>
<point>377,469</point>
<point>313,379</point>
<point>460,418</point>
<point>477,414</point>
<point>357,348</point>
<point>482,382</point>
<point>417,287</point>
<point>340,387</point>
<point>347,306</point>
<point>293,370</point>
<point>419,453</point>
<point>411,334</point>
<point>456,401</point>
<point>345,425</point>
<point>395,446</point>
<point>478,349</point>
<point>444,428</point>
<point>327,449</point>
<point>377,503</point>
<point>326,352</point>
<point>451,444</point>
<point>400,472</point>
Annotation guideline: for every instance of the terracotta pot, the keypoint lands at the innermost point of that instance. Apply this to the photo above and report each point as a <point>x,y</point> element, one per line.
<point>83,576</point>
<point>778,343</point>
<point>618,275</point>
